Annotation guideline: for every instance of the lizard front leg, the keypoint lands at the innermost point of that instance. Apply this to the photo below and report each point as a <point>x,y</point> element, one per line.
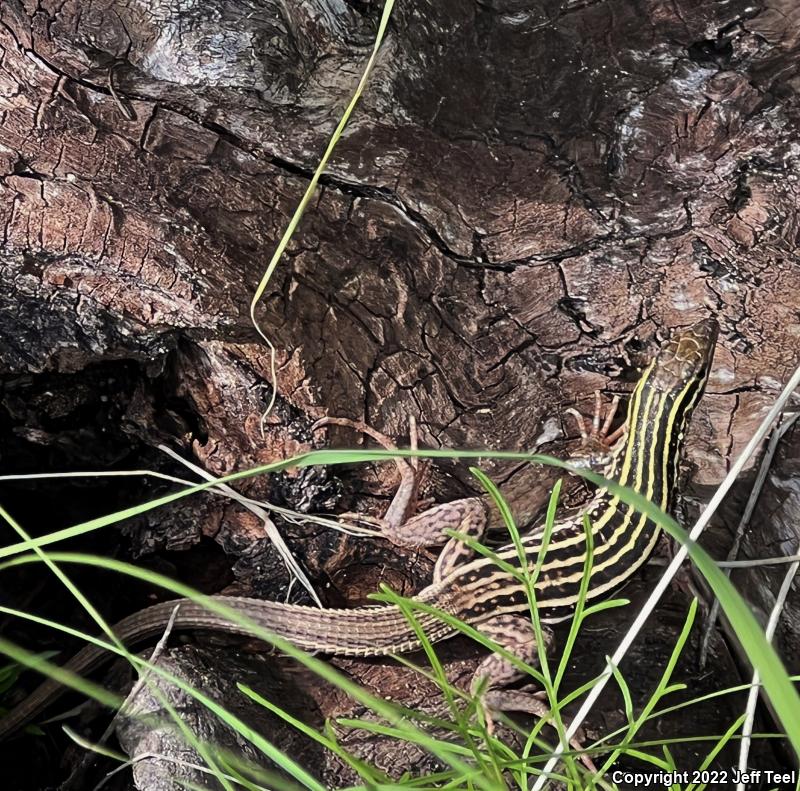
<point>598,443</point>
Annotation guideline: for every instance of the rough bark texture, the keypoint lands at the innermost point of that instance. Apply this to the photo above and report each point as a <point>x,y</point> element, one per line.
<point>527,196</point>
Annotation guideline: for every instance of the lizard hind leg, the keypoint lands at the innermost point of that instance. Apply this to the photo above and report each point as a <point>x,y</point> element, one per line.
<point>404,501</point>
<point>515,633</point>
<point>427,529</point>
<point>468,516</point>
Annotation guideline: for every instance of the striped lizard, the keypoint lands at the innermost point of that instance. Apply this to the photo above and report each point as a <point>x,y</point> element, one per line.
<point>475,589</point>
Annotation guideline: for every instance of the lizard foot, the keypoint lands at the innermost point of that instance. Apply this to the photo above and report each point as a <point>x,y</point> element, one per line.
<point>404,503</point>
<point>598,442</point>
<point>498,700</point>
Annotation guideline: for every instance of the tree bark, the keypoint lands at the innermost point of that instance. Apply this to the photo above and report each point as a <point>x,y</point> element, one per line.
<point>527,197</point>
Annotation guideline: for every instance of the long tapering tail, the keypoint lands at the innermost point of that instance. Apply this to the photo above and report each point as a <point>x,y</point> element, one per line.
<point>365,631</point>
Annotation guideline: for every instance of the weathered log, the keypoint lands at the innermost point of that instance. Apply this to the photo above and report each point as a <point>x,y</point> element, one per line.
<point>526,197</point>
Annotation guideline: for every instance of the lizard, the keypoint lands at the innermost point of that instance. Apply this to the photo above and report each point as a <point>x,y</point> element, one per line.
<point>476,590</point>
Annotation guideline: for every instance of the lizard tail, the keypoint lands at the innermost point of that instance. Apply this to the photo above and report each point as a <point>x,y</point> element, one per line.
<point>365,631</point>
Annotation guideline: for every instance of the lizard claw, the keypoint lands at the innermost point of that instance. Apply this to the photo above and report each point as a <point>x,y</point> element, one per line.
<point>598,442</point>
<point>404,504</point>
<point>497,700</point>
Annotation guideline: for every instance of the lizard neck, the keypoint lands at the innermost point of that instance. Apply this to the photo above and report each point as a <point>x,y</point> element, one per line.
<point>622,538</point>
